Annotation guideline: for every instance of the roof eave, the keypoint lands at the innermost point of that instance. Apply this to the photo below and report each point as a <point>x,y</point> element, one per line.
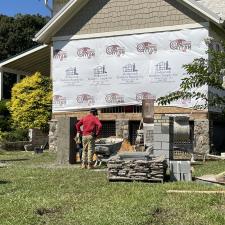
<point>69,10</point>
<point>206,13</point>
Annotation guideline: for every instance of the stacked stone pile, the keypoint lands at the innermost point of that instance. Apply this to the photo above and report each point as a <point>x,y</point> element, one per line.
<point>139,170</point>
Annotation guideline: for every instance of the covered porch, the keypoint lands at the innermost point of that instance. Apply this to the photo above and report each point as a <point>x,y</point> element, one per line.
<point>16,68</point>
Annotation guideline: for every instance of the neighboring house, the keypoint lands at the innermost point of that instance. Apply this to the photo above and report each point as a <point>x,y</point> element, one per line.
<point>91,39</point>
<point>15,68</point>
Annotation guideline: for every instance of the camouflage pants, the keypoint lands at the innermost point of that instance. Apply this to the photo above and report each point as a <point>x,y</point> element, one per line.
<point>88,149</point>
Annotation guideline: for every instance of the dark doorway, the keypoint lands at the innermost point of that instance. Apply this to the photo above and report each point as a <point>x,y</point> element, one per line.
<point>133,127</point>
<point>108,129</point>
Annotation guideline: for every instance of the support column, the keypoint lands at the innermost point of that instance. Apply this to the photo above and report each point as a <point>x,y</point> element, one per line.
<point>1,84</point>
<point>201,136</point>
<point>122,129</point>
<point>66,147</point>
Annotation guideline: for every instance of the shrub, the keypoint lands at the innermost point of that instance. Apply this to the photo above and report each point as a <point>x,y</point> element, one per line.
<point>30,105</point>
<point>15,135</point>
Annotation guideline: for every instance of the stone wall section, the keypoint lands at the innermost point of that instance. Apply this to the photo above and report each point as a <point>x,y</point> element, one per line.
<point>201,136</point>
<point>122,129</point>
<point>53,129</point>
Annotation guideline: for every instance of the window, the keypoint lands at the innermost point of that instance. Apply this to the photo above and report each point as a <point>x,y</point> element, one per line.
<point>9,79</point>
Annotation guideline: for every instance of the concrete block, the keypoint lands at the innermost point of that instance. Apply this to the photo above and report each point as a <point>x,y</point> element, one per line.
<point>161,137</point>
<point>157,129</point>
<point>157,145</point>
<point>165,146</point>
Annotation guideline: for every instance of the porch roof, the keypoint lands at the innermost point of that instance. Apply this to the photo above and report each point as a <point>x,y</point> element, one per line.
<point>34,60</point>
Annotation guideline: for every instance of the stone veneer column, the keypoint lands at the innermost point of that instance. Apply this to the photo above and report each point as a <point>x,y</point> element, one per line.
<point>66,147</point>
<point>122,128</point>
<point>201,136</point>
<point>52,136</point>
<point>163,136</point>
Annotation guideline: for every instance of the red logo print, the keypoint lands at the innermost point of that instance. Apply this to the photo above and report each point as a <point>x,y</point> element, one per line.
<point>114,98</point>
<point>144,95</point>
<point>85,98</point>
<point>86,52</point>
<point>180,44</point>
<point>147,47</point>
<point>59,54</point>
<point>115,50</point>
<point>59,100</point>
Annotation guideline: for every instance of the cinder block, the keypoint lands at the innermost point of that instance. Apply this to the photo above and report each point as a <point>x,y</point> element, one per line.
<point>157,129</point>
<point>157,145</point>
<point>165,138</point>
<point>165,146</point>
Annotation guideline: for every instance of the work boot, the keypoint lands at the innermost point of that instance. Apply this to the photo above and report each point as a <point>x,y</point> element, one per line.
<point>83,166</point>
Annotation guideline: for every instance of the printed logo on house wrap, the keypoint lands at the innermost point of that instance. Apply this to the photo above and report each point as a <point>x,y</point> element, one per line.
<point>162,73</point>
<point>130,69</point>
<point>130,74</point>
<point>114,98</point>
<point>85,98</point>
<point>181,45</point>
<point>144,95</point>
<point>86,52</point>
<point>100,70</point>
<point>71,72</point>
<point>115,50</point>
<point>147,47</point>
<point>59,100</point>
<point>59,54</point>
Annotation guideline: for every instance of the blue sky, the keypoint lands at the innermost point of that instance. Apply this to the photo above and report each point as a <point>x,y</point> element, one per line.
<point>13,7</point>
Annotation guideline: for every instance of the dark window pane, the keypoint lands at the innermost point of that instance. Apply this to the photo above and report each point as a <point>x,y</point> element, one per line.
<point>9,79</point>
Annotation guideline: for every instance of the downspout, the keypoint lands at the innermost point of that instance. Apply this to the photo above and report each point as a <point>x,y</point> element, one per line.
<point>48,7</point>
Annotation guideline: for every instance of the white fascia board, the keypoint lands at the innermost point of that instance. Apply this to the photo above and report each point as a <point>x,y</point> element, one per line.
<point>17,72</point>
<point>132,32</point>
<point>22,55</point>
<point>67,12</point>
<point>203,10</point>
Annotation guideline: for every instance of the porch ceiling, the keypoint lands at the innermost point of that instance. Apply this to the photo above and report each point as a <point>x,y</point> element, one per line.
<point>37,59</point>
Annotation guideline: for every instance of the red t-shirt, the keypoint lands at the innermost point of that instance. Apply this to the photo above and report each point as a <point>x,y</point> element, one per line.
<point>90,124</point>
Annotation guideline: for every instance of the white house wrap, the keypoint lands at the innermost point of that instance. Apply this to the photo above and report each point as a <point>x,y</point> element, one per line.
<point>122,70</point>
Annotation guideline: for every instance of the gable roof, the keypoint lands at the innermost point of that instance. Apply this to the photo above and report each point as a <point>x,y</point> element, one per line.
<point>74,6</point>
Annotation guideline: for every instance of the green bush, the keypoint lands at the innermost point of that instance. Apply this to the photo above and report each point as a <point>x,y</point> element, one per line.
<point>5,118</point>
<point>15,135</point>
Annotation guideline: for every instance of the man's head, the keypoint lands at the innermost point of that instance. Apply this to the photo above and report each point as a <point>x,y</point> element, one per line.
<point>94,111</point>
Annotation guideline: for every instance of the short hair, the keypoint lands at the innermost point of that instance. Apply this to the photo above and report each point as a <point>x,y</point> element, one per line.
<point>94,111</point>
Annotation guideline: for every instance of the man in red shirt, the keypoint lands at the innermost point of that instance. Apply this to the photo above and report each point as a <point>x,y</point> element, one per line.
<point>91,129</point>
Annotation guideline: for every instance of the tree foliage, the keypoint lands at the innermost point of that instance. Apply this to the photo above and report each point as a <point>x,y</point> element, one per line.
<point>30,105</point>
<point>16,33</point>
<point>202,72</point>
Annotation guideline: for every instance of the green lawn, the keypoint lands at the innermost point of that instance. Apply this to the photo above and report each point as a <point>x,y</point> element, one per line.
<point>33,191</point>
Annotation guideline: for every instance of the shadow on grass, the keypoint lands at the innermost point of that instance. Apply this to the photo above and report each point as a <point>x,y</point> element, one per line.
<point>5,182</point>
<point>14,160</point>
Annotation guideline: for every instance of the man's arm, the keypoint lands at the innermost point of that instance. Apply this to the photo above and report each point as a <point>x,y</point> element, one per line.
<point>78,125</point>
<point>98,126</point>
